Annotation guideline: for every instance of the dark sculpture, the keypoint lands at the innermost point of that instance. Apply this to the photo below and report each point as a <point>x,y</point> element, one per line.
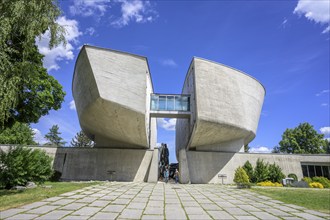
<point>163,159</point>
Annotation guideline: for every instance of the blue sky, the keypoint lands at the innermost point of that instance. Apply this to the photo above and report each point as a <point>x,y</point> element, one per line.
<point>284,44</point>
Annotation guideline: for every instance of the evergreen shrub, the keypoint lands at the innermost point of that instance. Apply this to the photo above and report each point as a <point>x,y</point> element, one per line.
<point>324,181</point>
<point>307,180</point>
<point>275,173</point>
<point>241,178</point>
<point>249,170</point>
<point>21,164</point>
<point>261,171</point>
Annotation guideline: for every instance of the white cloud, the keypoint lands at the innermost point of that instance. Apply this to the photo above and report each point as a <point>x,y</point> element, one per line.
<point>260,149</point>
<point>38,137</point>
<point>325,131</point>
<point>90,31</point>
<point>59,52</point>
<point>168,62</point>
<point>324,104</point>
<point>326,30</point>
<point>89,7</point>
<point>322,92</point>
<point>72,105</point>
<point>137,11</point>
<point>168,125</point>
<point>317,11</point>
<point>284,23</point>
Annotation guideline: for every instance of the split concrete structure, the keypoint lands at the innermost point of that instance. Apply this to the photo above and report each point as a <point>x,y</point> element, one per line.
<point>218,113</point>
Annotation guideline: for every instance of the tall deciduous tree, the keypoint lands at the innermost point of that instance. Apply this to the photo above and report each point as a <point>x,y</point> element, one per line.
<point>326,146</point>
<point>27,92</point>
<point>53,136</point>
<point>81,140</point>
<point>303,139</point>
<point>19,133</point>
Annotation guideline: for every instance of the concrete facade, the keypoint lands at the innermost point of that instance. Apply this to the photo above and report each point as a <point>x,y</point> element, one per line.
<point>112,91</point>
<point>226,106</point>
<point>139,165</point>
<point>204,167</point>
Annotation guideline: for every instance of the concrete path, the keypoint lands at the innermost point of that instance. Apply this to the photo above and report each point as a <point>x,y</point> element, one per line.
<point>114,200</point>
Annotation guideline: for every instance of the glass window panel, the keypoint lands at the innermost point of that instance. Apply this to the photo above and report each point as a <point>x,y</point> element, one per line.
<point>326,172</point>
<point>154,102</point>
<point>162,103</point>
<point>318,170</point>
<point>311,171</point>
<point>184,103</point>
<point>304,170</point>
<point>170,103</point>
<point>178,103</point>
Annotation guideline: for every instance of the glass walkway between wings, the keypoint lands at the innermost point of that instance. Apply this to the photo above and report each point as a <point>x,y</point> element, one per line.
<point>170,106</point>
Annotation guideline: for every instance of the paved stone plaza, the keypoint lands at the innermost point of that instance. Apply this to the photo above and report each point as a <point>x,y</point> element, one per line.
<point>115,200</point>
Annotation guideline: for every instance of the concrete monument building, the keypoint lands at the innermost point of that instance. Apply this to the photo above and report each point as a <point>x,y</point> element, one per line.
<point>218,113</point>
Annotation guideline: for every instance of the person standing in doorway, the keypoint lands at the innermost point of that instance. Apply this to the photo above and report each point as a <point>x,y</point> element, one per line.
<point>176,176</point>
<point>166,174</point>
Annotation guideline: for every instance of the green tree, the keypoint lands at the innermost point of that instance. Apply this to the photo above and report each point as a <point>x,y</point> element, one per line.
<point>27,92</point>
<point>53,136</point>
<point>275,173</point>
<point>81,140</point>
<point>249,170</point>
<point>326,146</point>
<point>276,150</point>
<point>246,148</point>
<point>303,139</point>
<point>19,133</point>
<point>261,171</point>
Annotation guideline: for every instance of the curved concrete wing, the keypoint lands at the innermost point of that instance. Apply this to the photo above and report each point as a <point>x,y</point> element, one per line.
<point>226,105</point>
<point>112,91</point>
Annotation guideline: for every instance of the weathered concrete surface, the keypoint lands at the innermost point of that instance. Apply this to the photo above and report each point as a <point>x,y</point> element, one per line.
<point>142,165</point>
<point>112,90</point>
<point>226,106</point>
<point>103,164</point>
<point>153,172</point>
<point>204,167</point>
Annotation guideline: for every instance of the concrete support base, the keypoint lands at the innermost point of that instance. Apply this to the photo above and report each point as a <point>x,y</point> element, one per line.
<point>103,164</point>
<point>183,167</point>
<point>153,172</point>
<point>204,167</point>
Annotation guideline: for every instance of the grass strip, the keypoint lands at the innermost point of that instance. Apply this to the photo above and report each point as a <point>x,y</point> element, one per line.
<point>15,198</point>
<point>314,199</point>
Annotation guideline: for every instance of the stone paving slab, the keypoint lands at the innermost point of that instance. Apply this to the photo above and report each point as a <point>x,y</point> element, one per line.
<point>105,215</point>
<point>58,214</point>
<point>116,200</point>
<point>23,217</point>
<point>42,209</point>
<point>11,212</point>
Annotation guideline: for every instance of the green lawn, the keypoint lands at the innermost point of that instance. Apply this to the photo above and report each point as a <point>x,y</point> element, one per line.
<point>13,198</point>
<point>314,199</point>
